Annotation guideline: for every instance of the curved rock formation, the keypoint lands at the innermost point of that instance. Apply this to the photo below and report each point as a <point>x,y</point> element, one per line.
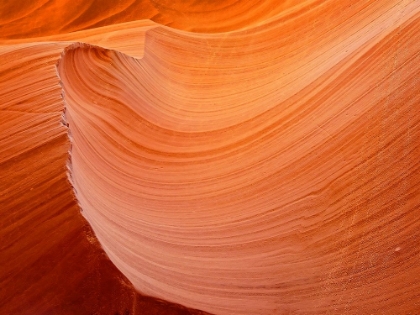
<point>267,166</point>
<point>52,17</point>
<point>50,261</point>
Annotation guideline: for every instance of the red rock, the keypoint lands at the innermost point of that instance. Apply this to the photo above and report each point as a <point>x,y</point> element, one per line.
<point>266,163</point>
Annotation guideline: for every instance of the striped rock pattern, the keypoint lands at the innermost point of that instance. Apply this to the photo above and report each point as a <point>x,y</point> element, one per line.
<point>230,160</point>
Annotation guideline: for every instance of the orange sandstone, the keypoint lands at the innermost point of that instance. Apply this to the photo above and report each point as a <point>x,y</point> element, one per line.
<point>235,161</point>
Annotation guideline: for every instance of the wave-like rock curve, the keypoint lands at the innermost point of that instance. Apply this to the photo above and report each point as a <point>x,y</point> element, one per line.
<point>266,166</point>
<point>254,179</point>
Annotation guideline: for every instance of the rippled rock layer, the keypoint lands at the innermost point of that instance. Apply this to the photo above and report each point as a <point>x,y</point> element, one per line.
<point>227,157</point>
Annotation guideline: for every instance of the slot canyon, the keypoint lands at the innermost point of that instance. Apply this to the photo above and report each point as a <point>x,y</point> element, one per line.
<point>209,157</point>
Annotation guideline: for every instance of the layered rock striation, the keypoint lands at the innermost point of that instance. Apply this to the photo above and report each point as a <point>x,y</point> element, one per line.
<point>263,163</point>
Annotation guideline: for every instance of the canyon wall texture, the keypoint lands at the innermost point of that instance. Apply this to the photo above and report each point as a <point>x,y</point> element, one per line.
<point>231,157</point>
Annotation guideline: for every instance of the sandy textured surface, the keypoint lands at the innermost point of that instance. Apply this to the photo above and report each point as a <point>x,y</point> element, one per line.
<point>227,159</point>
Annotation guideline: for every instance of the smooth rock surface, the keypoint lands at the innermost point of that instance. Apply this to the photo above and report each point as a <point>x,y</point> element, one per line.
<point>226,157</point>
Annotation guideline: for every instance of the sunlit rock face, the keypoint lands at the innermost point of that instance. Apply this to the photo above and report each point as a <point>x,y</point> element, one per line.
<point>50,260</point>
<point>233,157</point>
